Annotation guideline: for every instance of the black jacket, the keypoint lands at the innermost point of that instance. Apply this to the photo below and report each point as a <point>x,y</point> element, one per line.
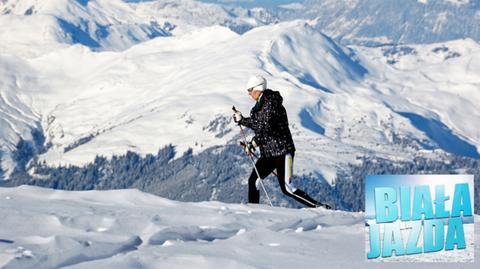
<point>268,119</point>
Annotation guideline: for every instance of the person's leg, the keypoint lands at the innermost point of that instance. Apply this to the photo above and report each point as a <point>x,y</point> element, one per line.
<point>309,201</point>
<point>284,165</point>
<point>264,166</point>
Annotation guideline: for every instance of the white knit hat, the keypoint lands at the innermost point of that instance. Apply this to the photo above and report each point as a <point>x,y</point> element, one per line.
<point>257,83</point>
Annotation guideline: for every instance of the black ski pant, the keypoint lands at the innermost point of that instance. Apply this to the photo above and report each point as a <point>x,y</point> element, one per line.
<point>265,166</point>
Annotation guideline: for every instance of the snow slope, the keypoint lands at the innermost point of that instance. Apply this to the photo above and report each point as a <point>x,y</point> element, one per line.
<point>342,103</point>
<point>128,229</point>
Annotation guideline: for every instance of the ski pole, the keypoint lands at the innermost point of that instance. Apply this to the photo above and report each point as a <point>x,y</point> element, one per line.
<point>256,157</point>
<point>251,159</point>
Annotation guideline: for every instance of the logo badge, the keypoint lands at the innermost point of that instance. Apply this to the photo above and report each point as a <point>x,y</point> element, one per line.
<point>419,218</point>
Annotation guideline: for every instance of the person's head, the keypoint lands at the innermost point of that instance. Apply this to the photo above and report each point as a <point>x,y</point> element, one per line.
<point>255,86</point>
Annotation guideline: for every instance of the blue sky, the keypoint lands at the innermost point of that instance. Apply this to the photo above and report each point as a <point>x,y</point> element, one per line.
<point>252,3</point>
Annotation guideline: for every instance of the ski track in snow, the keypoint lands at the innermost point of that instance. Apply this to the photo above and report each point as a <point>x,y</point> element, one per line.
<point>46,228</point>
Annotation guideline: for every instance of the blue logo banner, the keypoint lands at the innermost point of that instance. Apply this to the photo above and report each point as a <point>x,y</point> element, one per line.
<point>419,218</point>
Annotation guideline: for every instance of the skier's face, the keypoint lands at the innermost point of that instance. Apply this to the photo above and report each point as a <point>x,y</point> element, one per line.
<point>254,94</point>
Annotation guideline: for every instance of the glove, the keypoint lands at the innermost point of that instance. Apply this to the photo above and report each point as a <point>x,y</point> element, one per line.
<point>252,146</point>
<point>237,116</point>
<point>249,147</point>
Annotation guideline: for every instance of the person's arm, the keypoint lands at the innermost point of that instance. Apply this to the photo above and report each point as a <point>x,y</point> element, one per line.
<point>247,122</point>
<point>262,122</point>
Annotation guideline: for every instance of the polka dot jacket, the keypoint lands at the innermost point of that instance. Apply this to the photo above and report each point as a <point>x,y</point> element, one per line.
<point>268,119</point>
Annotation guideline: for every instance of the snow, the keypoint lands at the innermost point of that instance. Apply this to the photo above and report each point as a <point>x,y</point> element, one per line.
<point>129,229</point>
<point>294,6</point>
<point>441,20</point>
<point>458,2</point>
<point>38,27</point>
<point>412,21</point>
<point>436,92</point>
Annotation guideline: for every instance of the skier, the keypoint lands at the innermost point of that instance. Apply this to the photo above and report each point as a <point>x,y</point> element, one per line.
<point>268,119</point>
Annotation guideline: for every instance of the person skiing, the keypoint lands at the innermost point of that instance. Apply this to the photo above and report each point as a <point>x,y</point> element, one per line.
<point>268,119</point>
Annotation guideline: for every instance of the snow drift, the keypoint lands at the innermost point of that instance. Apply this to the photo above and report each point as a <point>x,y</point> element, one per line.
<point>129,229</point>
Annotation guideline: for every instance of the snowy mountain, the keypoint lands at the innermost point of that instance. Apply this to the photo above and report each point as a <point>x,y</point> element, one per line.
<point>38,27</point>
<point>48,228</point>
<point>378,22</point>
<point>342,103</point>
<point>372,22</point>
